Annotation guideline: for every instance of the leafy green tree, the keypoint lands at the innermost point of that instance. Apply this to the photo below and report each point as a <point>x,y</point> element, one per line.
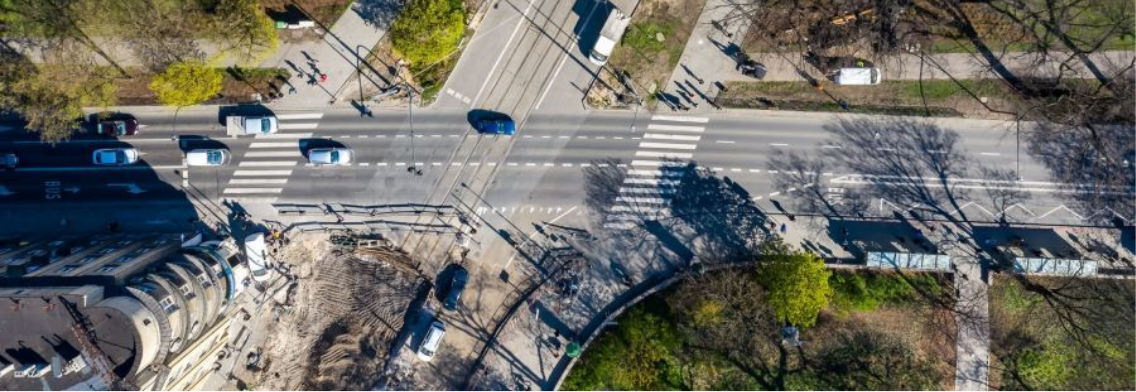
<point>186,84</point>
<point>428,30</point>
<point>636,355</point>
<point>246,31</point>
<point>51,97</point>
<point>797,283</point>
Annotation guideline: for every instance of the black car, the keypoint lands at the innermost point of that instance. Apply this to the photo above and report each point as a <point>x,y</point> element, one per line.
<point>457,284</point>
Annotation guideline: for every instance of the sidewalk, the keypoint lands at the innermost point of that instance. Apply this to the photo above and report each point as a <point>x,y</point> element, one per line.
<point>322,69</point>
<point>531,350</point>
<point>705,58</point>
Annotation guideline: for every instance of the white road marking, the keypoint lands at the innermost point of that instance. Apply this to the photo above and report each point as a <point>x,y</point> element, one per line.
<point>779,144</point>
<point>273,154</point>
<point>659,117</point>
<point>654,173</point>
<point>990,154</point>
<point>657,163</point>
<point>651,181</point>
<point>675,128</point>
<point>285,136</point>
<point>264,173</point>
<point>274,145</point>
<point>289,126</point>
<point>724,141</point>
<point>645,200</point>
<point>266,163</point>
<point>668,146</point>
<point>649,191</point>
<point>258,181</point>
<point>299,116</point>
<point>659,154</point>
<point>252,190</point>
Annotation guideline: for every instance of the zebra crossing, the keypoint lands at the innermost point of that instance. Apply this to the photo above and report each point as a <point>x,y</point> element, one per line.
<point>656,170</point>
<point>264,169</point>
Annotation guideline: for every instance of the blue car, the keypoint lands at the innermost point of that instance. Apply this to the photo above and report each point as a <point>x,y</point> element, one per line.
<point>497,127</point>
<point>461,276</point>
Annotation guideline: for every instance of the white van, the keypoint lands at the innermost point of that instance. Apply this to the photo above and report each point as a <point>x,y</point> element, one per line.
<point>432,340</point>
<point>256,255</point>
<point>612,31</point>
<point>856,76</point>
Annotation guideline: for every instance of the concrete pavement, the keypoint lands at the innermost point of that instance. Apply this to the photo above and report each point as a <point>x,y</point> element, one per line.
<point>322,69</point>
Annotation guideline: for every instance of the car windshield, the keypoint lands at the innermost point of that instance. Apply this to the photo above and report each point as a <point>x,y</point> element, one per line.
<point>334,156</point>
<point>120,127</point>
<point>599,57</point>
<point>213,157</point>
<point>265,125</point>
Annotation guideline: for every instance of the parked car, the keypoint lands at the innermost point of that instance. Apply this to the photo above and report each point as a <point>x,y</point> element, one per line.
<point>856,76</point>
<point>612,31</point>
<point>457,285</point>
<point>9,161</point>
<point>256,254</point>
<point>431,341</point>
<point>208,157</point>
<point>115,156</point>
<point>501,126</point>
<point>331,156</point>
<point>116,127</point>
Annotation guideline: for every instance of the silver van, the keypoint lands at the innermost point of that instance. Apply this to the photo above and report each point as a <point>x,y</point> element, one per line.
<point>856,76</point>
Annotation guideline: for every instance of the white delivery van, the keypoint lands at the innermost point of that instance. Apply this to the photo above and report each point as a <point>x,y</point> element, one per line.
<point>856,76</point>
<point>256,256</point>
<point>610,34</point>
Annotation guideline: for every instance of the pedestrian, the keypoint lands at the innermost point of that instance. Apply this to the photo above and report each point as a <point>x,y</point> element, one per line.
<point>291,89</point>
<point>323,78</point>
<point>339,219</point>
<point>784,228</point>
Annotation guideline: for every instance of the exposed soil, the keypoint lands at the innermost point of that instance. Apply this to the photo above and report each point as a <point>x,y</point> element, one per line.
<point>347,310</point>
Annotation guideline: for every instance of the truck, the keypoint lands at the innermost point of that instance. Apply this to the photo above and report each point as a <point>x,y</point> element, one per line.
<point>250,125</point>
<point>610,35</point>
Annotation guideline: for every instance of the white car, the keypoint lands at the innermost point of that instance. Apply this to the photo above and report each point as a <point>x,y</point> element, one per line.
<point>115,156</point>
<point>208,157</point>
<point>331,156</point>
<point>260,125</point>
<point>432,340</point>
<point>856,76</point>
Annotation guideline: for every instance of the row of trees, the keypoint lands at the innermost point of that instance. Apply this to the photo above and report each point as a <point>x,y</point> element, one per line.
<point>74,70</point>
<point>723,331</point>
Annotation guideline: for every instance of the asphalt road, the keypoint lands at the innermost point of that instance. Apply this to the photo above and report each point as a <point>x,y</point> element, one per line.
<point>541,167</point>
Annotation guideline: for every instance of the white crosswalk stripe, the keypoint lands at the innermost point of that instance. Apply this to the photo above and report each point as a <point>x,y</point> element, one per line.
<point>229,191</point>
<point>668,146</point>
<point>290,126</point>
<point>258,181</point>
<point>266,153</point>
<point>266,163</point>
<point>273,154</point>
<point>675,128</point>
<point>651,183</point>
<point>262,173</point>
<point>274,145</point>
<point>660,117</point>
<point>662,154</point>
<point>285,136</point>
<point>299,116</point>
<point>667,136</point>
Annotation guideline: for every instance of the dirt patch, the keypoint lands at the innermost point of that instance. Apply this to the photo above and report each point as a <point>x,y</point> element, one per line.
<point>347,310</point>
<point>926,98</point>
<point>641,56</point>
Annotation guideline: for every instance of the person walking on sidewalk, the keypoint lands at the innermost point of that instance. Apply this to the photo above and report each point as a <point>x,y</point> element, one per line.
<point>323,78</point>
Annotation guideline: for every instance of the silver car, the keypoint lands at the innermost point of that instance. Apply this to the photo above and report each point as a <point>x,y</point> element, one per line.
<point>115,156</point>
<point>331,156</point>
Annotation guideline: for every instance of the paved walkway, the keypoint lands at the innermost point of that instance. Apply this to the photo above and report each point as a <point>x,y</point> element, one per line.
<point>705,60</point>
<point>336,57</point>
